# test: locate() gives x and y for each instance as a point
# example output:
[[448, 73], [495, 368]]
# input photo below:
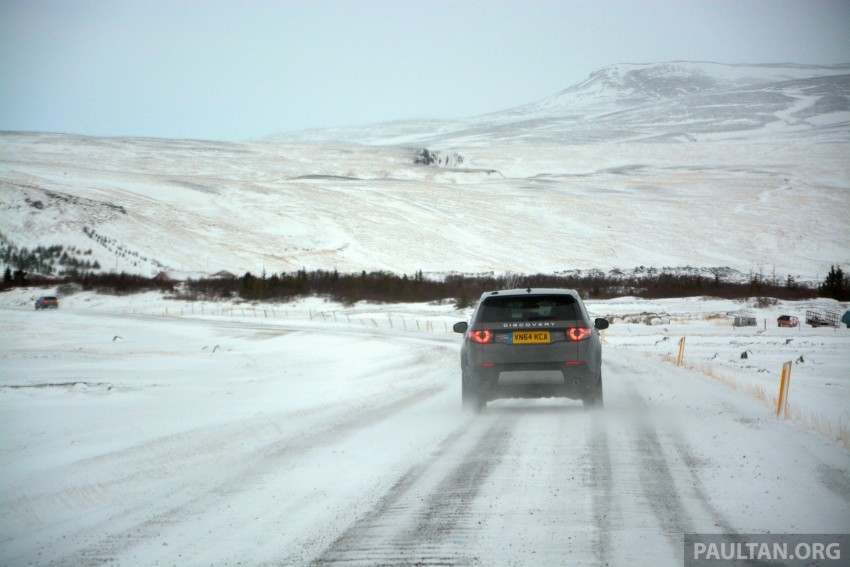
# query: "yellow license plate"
[[531, 337]]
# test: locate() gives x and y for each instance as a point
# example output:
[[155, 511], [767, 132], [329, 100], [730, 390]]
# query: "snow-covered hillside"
[[682, 101], [763, 186]]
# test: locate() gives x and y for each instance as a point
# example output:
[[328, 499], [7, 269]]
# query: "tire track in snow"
[[254, 467], [420, 520], [720, 521], [659, 485], [600, 479], [659, 481]]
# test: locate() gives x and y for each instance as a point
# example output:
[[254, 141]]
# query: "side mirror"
[[460, 327], [601, 324]]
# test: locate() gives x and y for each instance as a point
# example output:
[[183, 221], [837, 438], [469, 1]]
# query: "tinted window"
[[529, 308]]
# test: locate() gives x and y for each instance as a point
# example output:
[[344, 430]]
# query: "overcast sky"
[[238, 70]]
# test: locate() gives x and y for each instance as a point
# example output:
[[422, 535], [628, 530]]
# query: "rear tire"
[[594, 398], [471, 398]]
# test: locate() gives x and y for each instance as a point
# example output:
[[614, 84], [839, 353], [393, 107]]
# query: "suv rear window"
[[528, 308]]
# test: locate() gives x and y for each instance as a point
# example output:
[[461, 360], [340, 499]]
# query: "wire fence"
[[393, 321]]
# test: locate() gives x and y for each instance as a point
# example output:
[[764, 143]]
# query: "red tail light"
[[481, 337], [578, 333]]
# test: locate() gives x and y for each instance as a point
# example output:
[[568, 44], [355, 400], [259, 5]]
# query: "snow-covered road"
[[132, 440]]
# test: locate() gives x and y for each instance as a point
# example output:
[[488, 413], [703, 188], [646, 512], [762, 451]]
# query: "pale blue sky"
[[228, 70]]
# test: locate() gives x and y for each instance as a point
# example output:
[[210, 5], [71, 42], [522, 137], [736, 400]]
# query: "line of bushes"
[[465, 289], [387, 287], [108, 282]]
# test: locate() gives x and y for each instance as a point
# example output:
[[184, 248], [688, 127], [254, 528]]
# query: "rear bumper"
[[535, 380], [566, 369]]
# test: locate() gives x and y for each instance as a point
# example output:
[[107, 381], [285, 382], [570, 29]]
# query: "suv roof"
[[531, 291]]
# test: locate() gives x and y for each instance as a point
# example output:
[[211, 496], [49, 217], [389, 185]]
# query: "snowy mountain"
[[516, 191], [656, 102]]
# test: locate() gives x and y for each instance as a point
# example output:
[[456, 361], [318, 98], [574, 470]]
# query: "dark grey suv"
[[530, 343]]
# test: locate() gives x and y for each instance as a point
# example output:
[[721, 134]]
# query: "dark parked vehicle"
[[787, 321], [46, 302], [531, 343]]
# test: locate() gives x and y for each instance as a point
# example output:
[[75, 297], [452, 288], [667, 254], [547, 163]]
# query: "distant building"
[[178, 277], [224, 275]]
